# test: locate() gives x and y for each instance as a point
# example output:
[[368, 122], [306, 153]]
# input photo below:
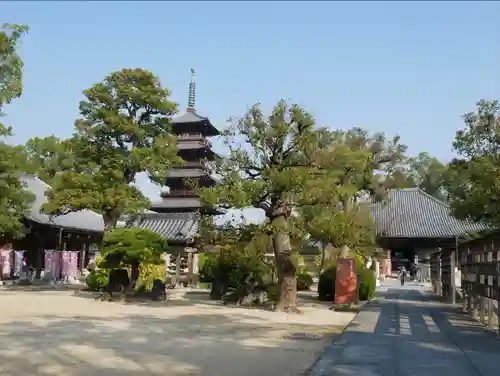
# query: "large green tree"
[[270, 161], [14, 200], [424, 172], [124, 130], [347, 181], [473, 179], [428, 174]]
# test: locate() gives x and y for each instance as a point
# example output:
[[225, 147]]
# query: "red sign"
[[346, 281]]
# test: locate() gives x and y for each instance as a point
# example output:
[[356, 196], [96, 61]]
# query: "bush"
[[326, 284], [367, 284], [207, 267], [272, 292], [148, 273], [233, 266], [304, 281], [97, 279]]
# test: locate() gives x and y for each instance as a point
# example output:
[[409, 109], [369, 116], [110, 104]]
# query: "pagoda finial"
[[192, 92]]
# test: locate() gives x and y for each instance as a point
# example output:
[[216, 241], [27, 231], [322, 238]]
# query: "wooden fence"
[[478, 262], [480, 267]]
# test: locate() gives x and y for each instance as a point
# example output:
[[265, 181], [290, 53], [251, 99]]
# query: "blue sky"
[[407, 68]]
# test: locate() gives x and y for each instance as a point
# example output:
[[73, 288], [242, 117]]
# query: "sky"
[[404, 68]]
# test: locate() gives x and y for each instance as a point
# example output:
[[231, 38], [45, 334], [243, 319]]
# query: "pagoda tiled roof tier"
[[182, 144], [177, 202], [412, 213], [182, 173], [190, 121], [183, 204]]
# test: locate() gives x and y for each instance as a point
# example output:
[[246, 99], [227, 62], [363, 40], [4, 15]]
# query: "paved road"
[[408, 333]]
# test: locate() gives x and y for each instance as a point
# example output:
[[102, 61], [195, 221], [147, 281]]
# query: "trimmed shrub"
[[97, 279], [304, 281], [326, 284], [147, 275]]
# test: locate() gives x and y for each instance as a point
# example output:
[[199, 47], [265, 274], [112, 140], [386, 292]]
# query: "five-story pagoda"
[[193, 132], [177, 215]]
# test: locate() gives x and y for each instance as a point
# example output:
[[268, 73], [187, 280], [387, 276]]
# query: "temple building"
[[177, 215], [412, 225], [54, 247]]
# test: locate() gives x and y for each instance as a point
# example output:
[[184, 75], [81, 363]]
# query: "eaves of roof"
[[175, 227], [412, 213]]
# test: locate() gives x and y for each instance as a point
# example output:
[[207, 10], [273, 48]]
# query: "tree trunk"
[[110, 218], [322, 260], [285, 267], [219, 288], [134, 273]]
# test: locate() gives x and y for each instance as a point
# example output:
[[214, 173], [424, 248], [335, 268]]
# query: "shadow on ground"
[[406, 332], [112, 339]]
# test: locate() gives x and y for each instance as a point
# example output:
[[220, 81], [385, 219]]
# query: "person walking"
[[402, 275]]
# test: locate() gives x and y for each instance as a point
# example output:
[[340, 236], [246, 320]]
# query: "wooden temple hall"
[[418, 228], [177, 215], [54, 248]]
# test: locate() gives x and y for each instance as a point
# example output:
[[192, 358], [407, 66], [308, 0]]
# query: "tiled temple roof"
[[175, 227], [84, 220], [412, 213]]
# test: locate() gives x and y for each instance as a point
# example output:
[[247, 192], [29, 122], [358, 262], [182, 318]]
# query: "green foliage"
[[15, 201], [304, 281], [473, 181], [333, 225], [45, 157], [272, 292], [234, 264], [97, 279], [349, 168], [428, 174], [124, 129], [236, 253], [274, 164], [367, 284], [424, 172], [148, 274], [131, 247], [11, 66]]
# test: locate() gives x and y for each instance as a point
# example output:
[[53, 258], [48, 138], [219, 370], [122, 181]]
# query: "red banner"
[[346, 281]]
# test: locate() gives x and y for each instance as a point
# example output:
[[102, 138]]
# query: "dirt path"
[[59, 333]]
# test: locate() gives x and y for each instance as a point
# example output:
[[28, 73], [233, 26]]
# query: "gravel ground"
[[62, 333]]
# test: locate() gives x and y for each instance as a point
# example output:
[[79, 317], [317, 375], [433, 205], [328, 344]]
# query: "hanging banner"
[[18, 263], [50, 267], [6, 260], [346, 281]]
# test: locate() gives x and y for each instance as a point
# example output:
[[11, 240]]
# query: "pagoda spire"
[[192, 93]]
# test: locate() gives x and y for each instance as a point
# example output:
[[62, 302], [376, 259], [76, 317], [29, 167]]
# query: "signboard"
[[346, 281]]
